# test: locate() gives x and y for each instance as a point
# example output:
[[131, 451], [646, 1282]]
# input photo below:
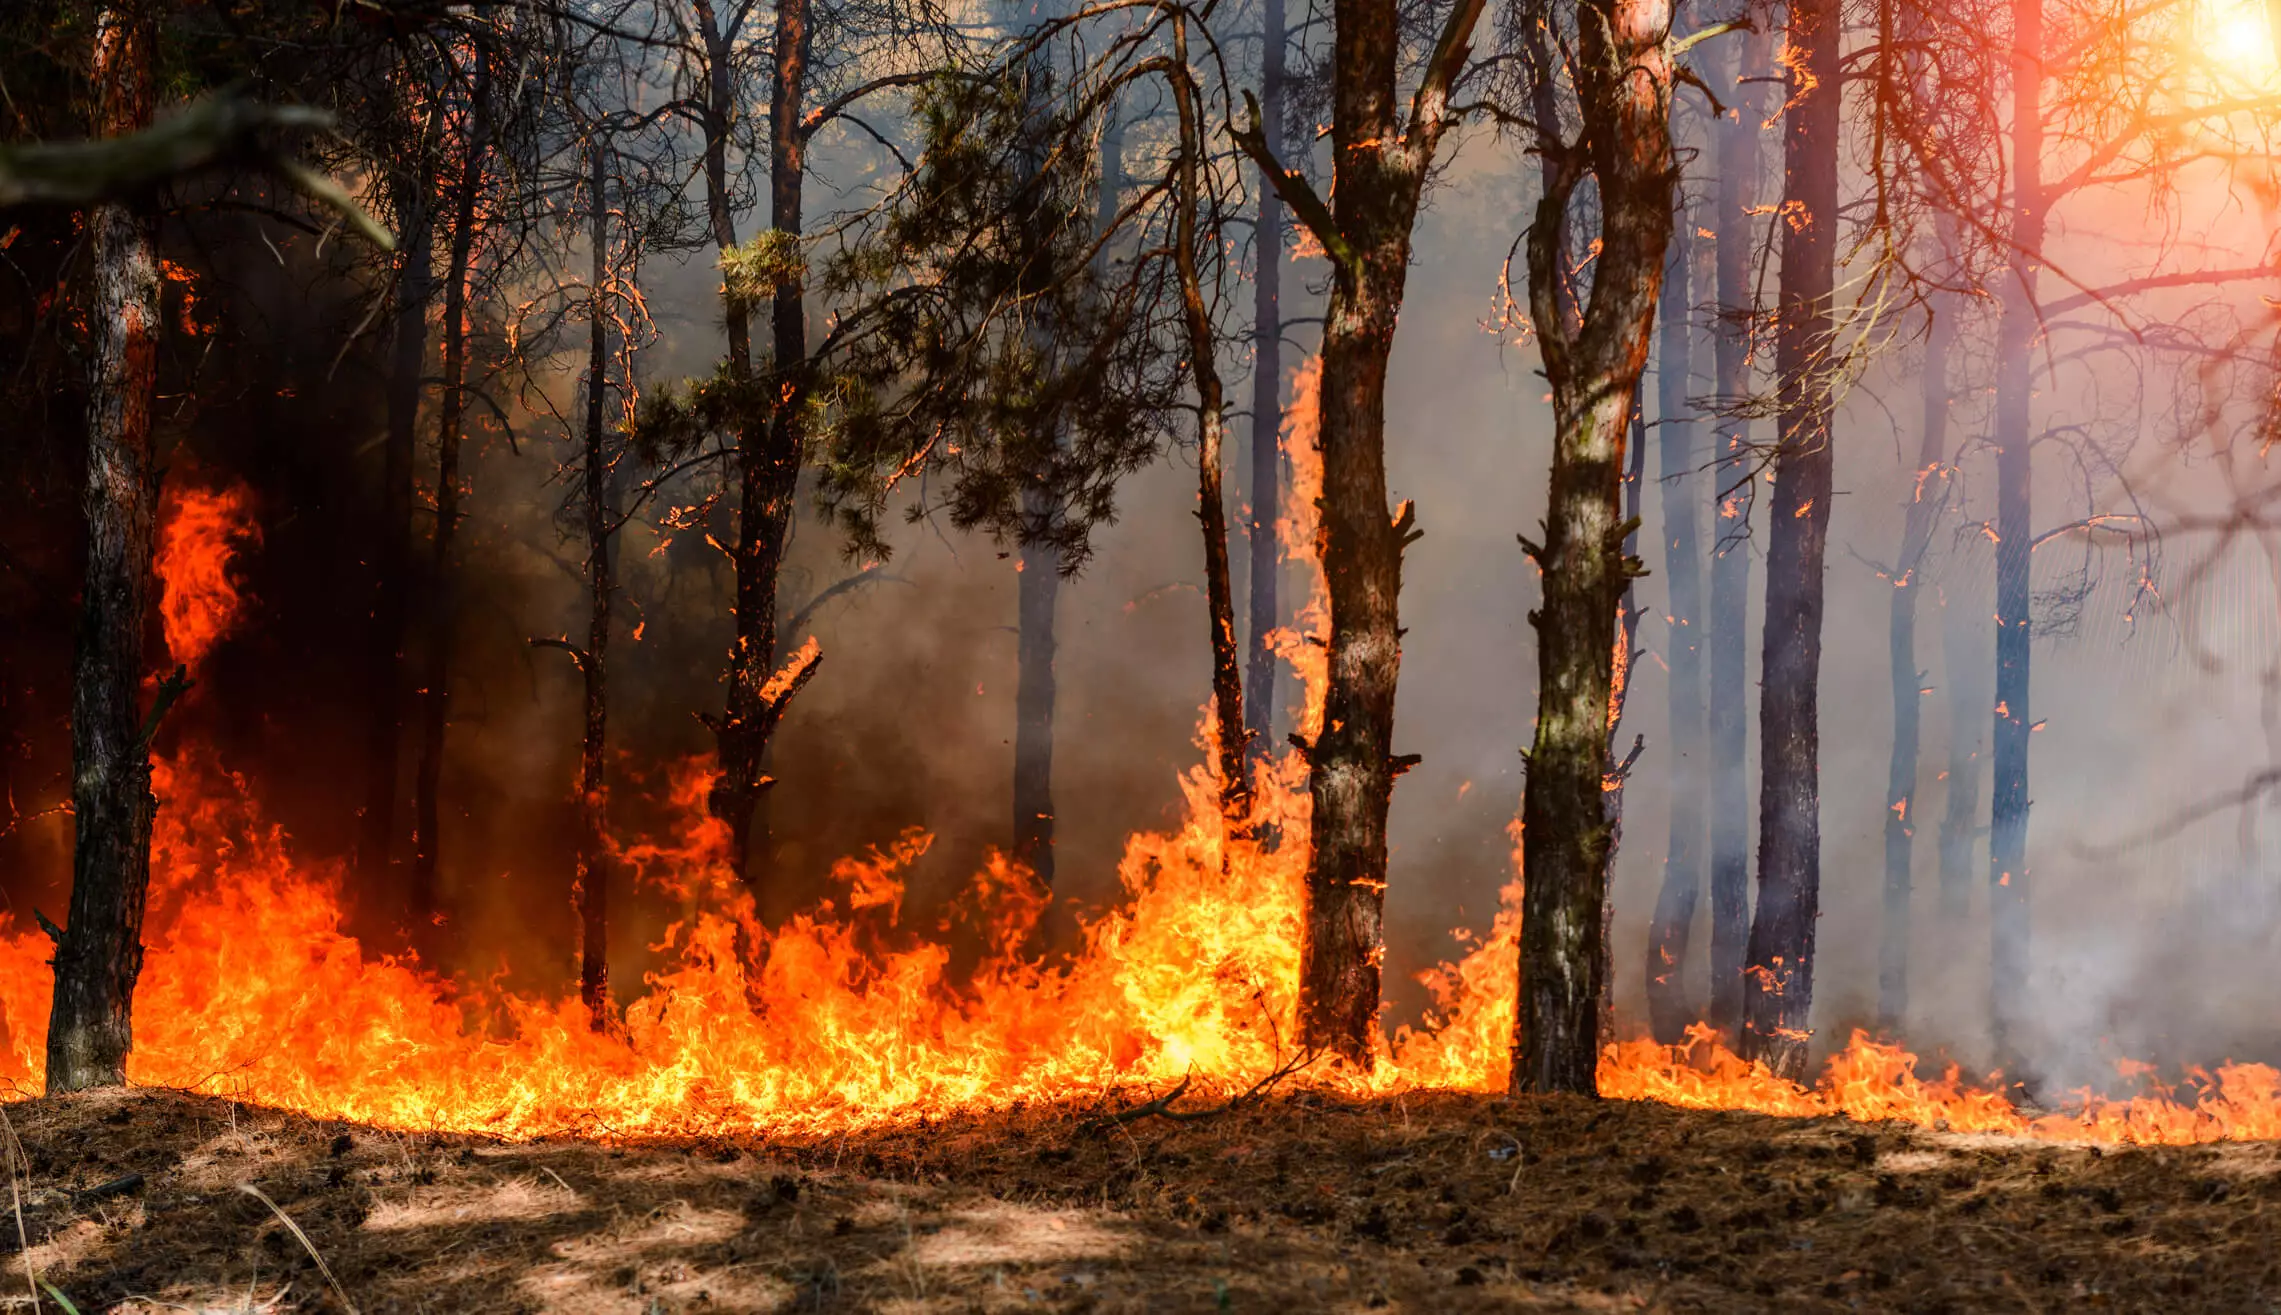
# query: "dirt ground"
[[135, 1201]]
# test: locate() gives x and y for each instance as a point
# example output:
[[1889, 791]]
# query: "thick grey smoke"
[[2158, 950]]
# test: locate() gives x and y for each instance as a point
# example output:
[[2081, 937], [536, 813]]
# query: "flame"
[[846, 1014], [1304, 644], [197, 544]]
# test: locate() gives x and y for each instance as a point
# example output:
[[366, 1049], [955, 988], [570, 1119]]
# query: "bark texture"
[[1594, 353], [592, 891], [771, 437], [1778, 983], [1234, 761], [1668, 1009], [100, 953], [1380, 159]]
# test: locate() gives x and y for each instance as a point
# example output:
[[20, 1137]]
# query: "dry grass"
[[1440, 1203]]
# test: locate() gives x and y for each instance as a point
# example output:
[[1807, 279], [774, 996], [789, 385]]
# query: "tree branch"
[[1293, 187], [203, 135]]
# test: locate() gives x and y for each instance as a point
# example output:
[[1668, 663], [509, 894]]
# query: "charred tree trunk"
[[592, 893], [1733, 500], [1380, 163], [2016, 331], [424, 911], [100, 953], [1964, 665], [392, 564], [771, 435], [1628, 613], [1593, 357], [1266, 402], [1668, 1010], [1211, 411], [1778, 990], [1901, 813]]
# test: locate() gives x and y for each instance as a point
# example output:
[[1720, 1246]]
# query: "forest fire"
[[875, 658], [252, 989]]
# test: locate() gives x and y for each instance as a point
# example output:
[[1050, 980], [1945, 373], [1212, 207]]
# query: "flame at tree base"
[[845, 1015], [251, 989]]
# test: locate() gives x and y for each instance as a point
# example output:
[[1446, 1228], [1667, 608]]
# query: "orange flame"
[[1304, 643], [843, 1015], [251, 988], [197, 545]]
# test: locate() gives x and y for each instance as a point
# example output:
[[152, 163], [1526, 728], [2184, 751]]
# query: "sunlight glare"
[[2238, 39]]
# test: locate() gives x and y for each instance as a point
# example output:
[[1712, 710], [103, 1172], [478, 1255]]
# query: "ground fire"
[[251, 989], [672, 657]]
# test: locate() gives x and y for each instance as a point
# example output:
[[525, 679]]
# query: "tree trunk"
[[1668, 1010], [1211, 411], [1626, 658], [1964, 666], [771, 439], [1037, 589], [1778, 985], [1379, 168], [1593, 358], [592, 892], [100, 953], [1266, 402], [1901, 814], [2016, 331], [424, 910], [392, 564], [1733, 500]]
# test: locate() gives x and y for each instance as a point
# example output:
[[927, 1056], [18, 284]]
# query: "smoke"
[[2158, 950]]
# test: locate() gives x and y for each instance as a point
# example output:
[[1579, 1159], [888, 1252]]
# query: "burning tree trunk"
[[1379, 170], [1593, 356], [1211, 423], [2016, 331], [1733, 498], [1779, 981], [1266, 401], [100, 953], [1669, 1012], [423, 910], [770, 430], [1901, 813], [392, 566]]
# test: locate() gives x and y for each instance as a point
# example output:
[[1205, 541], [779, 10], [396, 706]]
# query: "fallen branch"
[[1161, 1107]]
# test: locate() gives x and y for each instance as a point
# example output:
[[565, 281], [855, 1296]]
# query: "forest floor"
[[133, 1201]]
